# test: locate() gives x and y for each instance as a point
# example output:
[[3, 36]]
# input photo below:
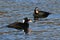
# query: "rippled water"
[[44, 29]]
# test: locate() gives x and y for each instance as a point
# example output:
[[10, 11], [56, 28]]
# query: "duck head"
[[26, 20], [36, 10]]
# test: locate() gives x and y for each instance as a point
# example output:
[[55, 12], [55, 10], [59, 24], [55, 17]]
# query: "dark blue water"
[[16, 10]]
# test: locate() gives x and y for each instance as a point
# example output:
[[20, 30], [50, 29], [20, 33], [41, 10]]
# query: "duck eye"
[[23, 21]]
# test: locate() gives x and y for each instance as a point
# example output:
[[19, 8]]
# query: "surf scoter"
[[40, 14], [20, 25]]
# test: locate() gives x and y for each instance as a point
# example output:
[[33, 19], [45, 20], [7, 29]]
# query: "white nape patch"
[[23, 21], [37, 11]]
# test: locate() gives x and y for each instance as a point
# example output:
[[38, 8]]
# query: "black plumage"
[[20, 25], [40, 14]]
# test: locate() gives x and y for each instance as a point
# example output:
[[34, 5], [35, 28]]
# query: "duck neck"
[[25, 22]]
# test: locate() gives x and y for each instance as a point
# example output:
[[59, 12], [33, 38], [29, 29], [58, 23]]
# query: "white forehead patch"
[[30, 20]]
